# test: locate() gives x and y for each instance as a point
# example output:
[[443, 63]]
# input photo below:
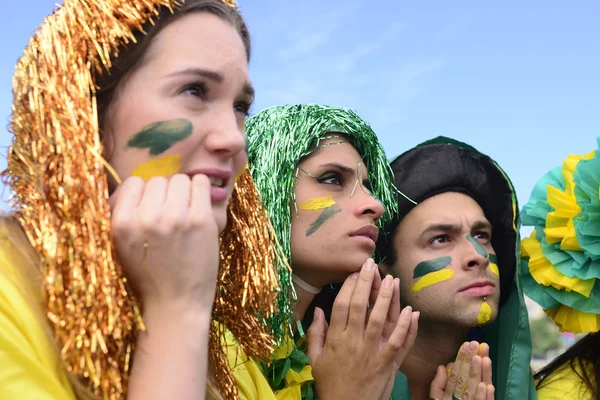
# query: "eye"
[[482, 236], [331, 178], [243, 107], [196, 89], [439, 239]]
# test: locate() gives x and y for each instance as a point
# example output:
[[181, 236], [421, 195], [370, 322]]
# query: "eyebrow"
[[214, 76], [481, 225], [454, 228]]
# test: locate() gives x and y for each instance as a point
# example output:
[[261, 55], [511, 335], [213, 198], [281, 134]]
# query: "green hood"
[[441, 165]]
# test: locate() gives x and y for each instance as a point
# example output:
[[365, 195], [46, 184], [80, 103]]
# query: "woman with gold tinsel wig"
[[107, 289], [326, 184], [560, 269]]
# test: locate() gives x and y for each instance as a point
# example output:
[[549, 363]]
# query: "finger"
[[394, 310], [315, 336], [341, 305], [128, 194], [487, 370], [124, 218], [455, 369], [358, 303], [398, 336], [375, 289], [373, 296], [484, 350], [465, 368], [378, 316], [490, 390], [200, 204], [436, 389], [474, 378], [178, 194], [481, 391], [155, 194]]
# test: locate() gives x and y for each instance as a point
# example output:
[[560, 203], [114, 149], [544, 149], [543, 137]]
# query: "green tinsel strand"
[[278, 138]]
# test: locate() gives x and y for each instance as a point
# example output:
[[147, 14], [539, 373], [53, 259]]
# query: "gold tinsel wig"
[[60, 197]]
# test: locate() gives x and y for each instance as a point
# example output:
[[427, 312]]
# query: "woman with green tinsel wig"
[[560, 270], [326, 184]]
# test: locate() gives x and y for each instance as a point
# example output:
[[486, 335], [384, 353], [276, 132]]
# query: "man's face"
[[446, 263]]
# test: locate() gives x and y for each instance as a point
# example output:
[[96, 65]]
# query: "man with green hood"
[[454, 246]]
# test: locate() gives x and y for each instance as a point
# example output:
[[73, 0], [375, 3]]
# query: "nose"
[[475, 255], [368, 205], [226, 136]]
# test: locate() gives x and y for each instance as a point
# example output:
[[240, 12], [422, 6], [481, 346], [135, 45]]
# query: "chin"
[[220, 219]]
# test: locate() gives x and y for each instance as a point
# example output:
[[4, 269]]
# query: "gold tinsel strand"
[[60, 196], [247, 286]]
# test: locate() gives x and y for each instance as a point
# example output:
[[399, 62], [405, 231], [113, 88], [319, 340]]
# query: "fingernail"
[[418, 313], [317, 310], [355, 275], [387, 282], [370, 264], [473, 346]]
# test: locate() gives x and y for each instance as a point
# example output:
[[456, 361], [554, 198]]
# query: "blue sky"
[[518, 80]]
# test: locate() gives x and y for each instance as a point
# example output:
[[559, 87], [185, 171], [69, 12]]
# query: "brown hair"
[[108, 83], [134, 54]]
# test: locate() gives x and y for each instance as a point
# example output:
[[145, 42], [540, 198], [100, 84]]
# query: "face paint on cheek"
[[317, 203], [164, 166], [429, 266], [160, 136], [478, 247], [432, 272], [485, 314], [325, 215], [494, 265]]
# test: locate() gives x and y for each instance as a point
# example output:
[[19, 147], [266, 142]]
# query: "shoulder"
[[247, 372], [30, 364], [565, 383]]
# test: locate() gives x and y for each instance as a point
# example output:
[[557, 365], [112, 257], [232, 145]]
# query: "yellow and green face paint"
[[158, 138], [318, 203], [161, 136], [431, 272], [482, 252], [329, 207], [494, 265]]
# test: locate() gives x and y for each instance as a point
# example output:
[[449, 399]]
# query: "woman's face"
[[183, 109], [333, 230]]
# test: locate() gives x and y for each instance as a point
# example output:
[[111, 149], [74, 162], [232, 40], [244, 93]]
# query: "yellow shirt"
[[29, 364], [564, 384], [251, 381]]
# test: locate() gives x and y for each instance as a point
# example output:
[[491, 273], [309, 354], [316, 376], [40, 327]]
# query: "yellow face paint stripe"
[[318, 203], [485, 313], [432, 279], [494, 269], [164, 166]]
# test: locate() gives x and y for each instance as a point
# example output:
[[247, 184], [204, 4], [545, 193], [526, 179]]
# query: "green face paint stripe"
[[325, 215], [494, 258], [160, 136], [478, 247], [429, 266]]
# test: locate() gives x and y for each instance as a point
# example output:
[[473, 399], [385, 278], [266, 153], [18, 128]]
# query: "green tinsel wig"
[[278, 139]]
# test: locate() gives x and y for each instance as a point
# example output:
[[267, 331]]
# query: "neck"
[[304, 298], [436, 344]]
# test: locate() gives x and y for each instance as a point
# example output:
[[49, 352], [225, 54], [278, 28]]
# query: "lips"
[[479, 288], [368, 231], [219, 181], [218, 177]]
